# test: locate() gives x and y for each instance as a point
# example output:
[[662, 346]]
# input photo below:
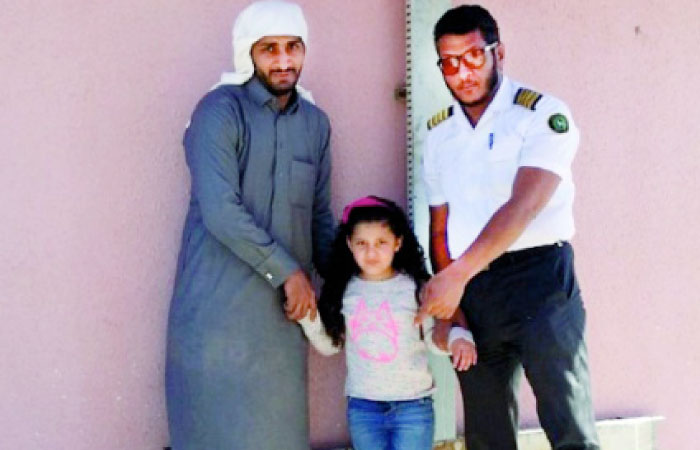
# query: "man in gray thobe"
[[259, 218]]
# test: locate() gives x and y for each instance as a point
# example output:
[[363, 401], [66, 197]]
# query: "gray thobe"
[[259, 210]]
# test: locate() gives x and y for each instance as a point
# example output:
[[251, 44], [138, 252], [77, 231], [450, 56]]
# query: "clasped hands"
[[441, 295], [300, 296]]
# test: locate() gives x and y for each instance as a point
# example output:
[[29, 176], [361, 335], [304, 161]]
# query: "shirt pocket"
[[302, 179], [502, 164], [461, 176]]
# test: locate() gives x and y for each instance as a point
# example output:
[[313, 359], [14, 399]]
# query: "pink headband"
[[360, 203]]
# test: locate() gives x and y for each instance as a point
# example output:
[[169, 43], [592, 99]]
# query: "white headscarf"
[[260, 19]]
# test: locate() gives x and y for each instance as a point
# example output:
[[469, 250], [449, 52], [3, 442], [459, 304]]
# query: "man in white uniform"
[[497, 167]]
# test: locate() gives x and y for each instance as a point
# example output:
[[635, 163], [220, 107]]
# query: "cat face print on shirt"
[[374, 332]]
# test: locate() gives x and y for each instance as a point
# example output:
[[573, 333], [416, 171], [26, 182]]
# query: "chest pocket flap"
[[302, 179], [505, 148], [503, 161]]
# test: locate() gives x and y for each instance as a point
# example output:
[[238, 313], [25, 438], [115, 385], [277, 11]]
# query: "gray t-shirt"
[[386, 358]]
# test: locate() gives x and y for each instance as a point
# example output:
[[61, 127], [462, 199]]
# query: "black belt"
[[517, 256]]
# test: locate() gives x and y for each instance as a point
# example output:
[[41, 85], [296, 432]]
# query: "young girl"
[[368, 305]]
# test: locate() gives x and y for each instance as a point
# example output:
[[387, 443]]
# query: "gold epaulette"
[[527, 98], [440, 117]]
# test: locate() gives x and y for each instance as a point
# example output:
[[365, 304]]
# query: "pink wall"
[[94, 187]]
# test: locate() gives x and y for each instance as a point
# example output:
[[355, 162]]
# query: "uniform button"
[[268, 276]]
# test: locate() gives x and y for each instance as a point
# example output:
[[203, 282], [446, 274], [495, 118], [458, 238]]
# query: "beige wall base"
[[637, 433]]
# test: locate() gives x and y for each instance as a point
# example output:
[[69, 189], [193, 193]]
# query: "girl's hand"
[[463, 354]]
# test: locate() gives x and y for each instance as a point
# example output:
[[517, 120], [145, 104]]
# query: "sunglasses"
[[474, 58]]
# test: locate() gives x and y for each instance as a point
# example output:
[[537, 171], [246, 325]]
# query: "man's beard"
[[491, 83], [277, 90]]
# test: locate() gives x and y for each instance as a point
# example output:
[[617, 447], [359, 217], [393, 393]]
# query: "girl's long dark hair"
[[409, 259]]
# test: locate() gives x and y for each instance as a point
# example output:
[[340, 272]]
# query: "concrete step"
[[636, 433]]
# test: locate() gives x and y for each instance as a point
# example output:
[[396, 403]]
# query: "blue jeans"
[[396, 425]]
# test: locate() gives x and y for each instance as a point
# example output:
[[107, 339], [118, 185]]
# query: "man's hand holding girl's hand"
[[441, 294], [300, 296]]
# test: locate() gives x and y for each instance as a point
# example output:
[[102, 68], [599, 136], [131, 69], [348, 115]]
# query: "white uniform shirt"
[[472, 169]]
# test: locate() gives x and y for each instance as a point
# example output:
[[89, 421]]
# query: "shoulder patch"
[[558, 123], [527, 98], [440, 117]]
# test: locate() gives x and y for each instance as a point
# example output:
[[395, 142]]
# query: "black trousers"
[[526, 312]]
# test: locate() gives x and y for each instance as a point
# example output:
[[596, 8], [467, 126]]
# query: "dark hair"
[[465, 19], [409, 259]]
